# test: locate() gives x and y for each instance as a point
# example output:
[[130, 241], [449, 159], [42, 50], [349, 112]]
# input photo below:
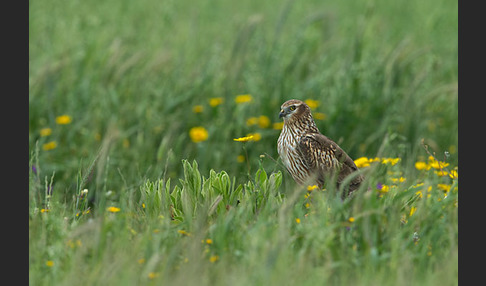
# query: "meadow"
[[135, 177]]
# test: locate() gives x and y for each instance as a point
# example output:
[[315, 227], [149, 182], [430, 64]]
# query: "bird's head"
[[293, 109]]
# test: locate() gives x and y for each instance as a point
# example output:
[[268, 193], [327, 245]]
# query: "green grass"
[[129, 74]]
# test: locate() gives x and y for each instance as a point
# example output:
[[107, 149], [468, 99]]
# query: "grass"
[[128, 76]]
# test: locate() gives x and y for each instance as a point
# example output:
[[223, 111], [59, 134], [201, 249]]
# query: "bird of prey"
[[309, 156]]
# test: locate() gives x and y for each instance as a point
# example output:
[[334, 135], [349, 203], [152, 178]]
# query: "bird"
[[308, 155]]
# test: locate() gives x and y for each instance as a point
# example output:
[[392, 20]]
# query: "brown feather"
[[309, 156]]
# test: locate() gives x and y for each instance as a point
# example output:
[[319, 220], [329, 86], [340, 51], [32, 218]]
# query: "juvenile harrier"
[[309, 156]]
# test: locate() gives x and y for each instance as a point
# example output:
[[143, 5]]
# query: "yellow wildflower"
[[412, 211], [153, 275], [263, 121], [311, 188], [436, 164], [209, 241], [213, 258], [312, 103], [63, 119], [240, 159], [197, 109], [44, 210], [441, 173], [444, 187], [391, 161], [49, 146], [243, 98], [453, 174], [362, 162], [141, 261], [244, 139], [255, 136], [351, 219], [278, 125], [297, 220], [384, 189], [45, 132], [398, 180], [419, 193], [215, 101], [183, 232], [319, 116], [251, 121], [421, 165], [49, 263], [113, 209], [198, 134]]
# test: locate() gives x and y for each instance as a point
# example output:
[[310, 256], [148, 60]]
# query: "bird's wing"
[[323, 156]]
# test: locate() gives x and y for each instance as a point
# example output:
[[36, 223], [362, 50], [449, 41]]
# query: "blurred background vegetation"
[[134, 77]]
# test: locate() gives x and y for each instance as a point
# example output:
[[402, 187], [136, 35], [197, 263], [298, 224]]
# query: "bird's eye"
[[292, 108]]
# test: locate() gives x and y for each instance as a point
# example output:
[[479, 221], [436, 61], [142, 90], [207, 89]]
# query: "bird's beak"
[[282, 113]]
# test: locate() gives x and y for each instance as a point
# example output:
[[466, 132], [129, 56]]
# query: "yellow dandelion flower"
[[243, 98], [215, 101], [419, 193], [297, 220], [351, 219], [312, 103], [240, 159], [63, 119], [209, 241], [197, 109], [141, 261], [49, 263], [44, 210], [213, 258], [278, 125], [49, 146], [198, 134], [263, 121], [113, 209], [362, 162], [153, 275], [45, 132], [319, 116], [252, 121]]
